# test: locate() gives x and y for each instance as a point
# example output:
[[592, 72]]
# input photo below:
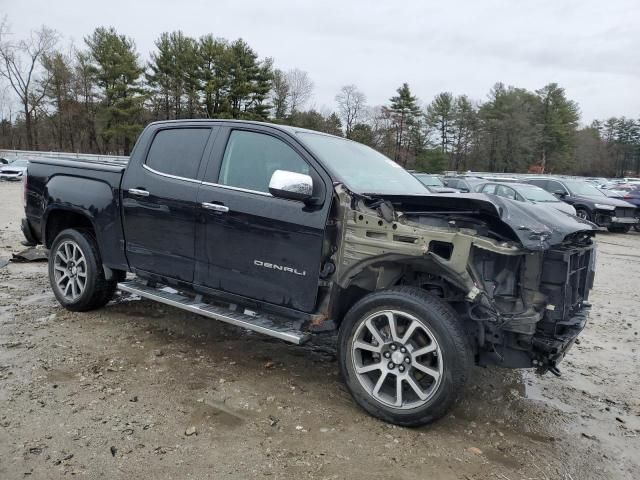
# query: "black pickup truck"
[[292, 233]]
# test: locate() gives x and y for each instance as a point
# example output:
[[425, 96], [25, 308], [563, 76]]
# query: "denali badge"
[[282, 268]]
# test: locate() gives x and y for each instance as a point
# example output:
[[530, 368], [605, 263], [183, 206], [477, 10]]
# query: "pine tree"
[[440, 116], [214, 61], [558, 117], [404, 109], [175, 76]]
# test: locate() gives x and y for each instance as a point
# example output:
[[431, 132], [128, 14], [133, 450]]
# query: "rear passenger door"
[[251, 243], [159, 201]]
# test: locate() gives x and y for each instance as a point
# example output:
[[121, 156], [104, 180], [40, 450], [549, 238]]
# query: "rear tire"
[[409, 373], [76, 274], [619, 228]]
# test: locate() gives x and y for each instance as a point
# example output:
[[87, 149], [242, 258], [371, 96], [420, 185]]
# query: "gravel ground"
[[142, 390]]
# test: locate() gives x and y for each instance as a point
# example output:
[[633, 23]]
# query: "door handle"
[[138, 192], [216, 207]]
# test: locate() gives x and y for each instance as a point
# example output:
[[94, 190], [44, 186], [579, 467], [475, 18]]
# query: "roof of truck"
[[279, 126]]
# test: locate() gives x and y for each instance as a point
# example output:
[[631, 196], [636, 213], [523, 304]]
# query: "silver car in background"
[[523, 192], [14, 170]]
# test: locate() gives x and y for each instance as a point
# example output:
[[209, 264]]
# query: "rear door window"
[[178, 151]]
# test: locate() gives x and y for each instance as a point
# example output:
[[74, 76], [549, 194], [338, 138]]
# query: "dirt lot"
[[112, 393]]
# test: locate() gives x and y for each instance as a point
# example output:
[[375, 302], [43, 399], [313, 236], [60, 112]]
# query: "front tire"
[[404, 355], [76, 274], [583, 213]]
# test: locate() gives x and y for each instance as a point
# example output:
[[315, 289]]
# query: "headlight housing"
[[601, 206]]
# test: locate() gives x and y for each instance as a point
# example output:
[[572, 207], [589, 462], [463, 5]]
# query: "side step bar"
[[259, 324]]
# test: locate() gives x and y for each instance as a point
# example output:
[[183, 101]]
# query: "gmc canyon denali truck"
[[290, 232]]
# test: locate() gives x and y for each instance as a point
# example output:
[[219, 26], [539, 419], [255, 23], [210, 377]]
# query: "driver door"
[[251, 243]]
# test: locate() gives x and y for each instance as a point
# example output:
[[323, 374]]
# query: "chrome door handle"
[[138, 192], [215, 207]]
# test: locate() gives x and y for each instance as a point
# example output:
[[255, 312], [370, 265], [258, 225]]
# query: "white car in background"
[[14, 170]]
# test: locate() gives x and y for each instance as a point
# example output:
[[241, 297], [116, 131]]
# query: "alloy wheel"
[[397, 359], [70, 270]]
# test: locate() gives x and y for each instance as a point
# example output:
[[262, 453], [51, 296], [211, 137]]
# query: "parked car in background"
[[433, 183], [590, 203], [14, 170], [633, 197], [524, 192], [500, 179], [464, 184]]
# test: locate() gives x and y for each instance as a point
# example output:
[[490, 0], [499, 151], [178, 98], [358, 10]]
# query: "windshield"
[[19, 163], [429, 180], [361, 168], [536, 194], [583, 188]]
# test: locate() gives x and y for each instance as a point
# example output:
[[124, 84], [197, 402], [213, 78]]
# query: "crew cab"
[[295, 233]]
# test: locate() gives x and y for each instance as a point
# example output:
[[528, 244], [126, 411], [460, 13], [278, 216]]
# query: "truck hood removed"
[[534, 226]]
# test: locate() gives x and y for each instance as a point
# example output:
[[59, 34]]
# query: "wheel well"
[[394, 275], [59, 220]]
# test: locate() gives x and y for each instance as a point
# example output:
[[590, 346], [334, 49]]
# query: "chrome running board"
[[261, 324]]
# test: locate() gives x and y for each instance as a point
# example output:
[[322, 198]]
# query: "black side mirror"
[[560, 193]]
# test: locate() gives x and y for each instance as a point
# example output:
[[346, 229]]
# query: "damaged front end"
[[519, 275]]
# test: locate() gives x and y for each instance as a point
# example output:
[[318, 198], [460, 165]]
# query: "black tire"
[[445, 326], [619, 228], [636, 227], [97, 290], [583, 213]]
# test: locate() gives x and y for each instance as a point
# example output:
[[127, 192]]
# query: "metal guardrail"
[[13, 154]]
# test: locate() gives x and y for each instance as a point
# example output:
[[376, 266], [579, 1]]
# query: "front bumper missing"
[[548, 351]]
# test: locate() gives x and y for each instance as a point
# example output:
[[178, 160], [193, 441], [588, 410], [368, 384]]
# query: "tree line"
[[97, 98]]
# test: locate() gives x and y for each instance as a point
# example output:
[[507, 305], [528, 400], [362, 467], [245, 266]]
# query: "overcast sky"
[[590, 47]]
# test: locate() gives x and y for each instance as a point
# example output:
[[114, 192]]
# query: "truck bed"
[[70, 186]]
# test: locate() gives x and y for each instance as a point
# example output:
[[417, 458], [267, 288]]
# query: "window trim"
[[168, 175], [203, 155], [238, 189]]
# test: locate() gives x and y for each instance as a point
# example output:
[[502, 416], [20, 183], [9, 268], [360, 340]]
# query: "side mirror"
[[464, 190], [560, 193], [291, 185]]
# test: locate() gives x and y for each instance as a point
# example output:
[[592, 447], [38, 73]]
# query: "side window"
[[506, 192], [251, 158], [539, 183], [178, 151], [451, 183], [489, 188], [555, 187]]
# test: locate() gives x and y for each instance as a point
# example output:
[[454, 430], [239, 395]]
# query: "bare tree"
[[351, 105], [20, 64], [300, 89]]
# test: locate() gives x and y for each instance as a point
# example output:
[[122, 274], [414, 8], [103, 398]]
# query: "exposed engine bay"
[[520, 281]]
